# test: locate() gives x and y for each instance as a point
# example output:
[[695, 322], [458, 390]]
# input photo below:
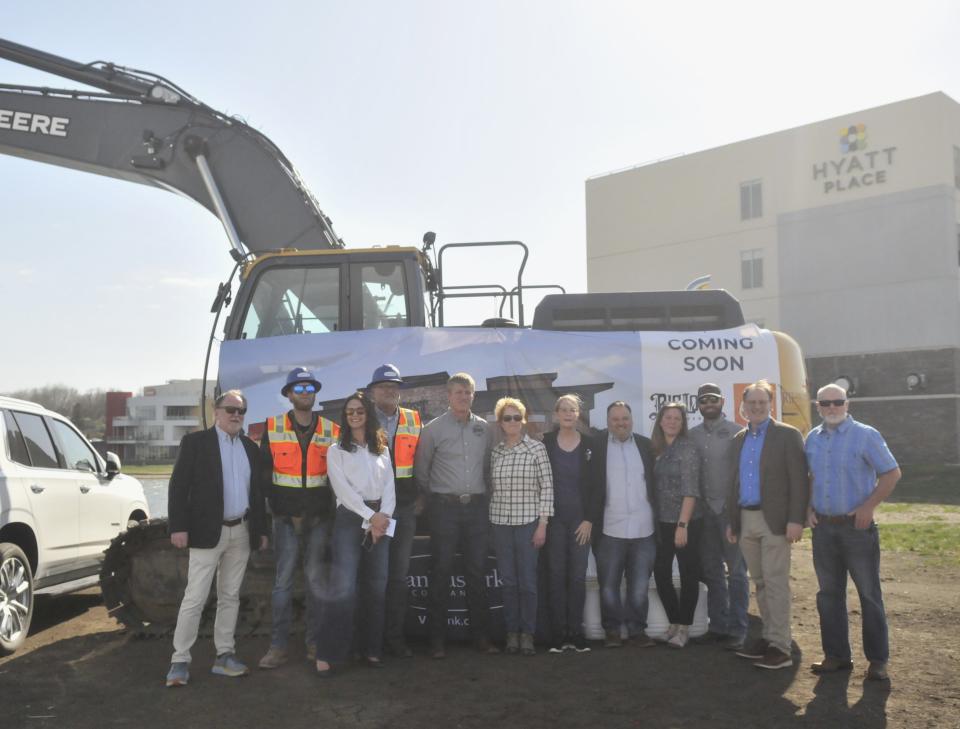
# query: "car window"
[[39, 445], [76, 452], [16, 447]]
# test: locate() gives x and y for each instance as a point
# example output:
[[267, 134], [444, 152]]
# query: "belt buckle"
[[465, 499]]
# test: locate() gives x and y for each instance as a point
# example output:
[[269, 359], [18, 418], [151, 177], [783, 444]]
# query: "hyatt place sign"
[[858, 167]]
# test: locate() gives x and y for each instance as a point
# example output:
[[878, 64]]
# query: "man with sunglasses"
[[402, 427], [216, 511], [728, 590], [293, 475], [852, 471]]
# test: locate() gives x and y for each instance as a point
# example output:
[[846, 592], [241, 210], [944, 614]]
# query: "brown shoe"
[[831, 665], [273, 658], [642, 640], [437, 650], [877, 671], [612, 639], [754, 650], [485, 646], [773, 659]]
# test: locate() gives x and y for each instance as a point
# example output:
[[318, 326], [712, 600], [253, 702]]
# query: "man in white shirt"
[[624, 540]]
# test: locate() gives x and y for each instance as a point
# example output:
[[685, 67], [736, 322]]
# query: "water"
[[155, 489]]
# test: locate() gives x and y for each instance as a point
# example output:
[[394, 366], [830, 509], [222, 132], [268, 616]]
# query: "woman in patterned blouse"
[[678, 511], [521, 502]]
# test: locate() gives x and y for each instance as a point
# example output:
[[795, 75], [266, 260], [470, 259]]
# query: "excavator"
[[304, 298]]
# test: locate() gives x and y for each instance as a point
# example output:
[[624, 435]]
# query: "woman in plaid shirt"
[[521, 502]]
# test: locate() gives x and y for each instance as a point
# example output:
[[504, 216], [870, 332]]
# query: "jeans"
[[466, 526], [356, 572], [567, 567], [287, 547], [837, 550], [517, 565], [679, 612], [728, 591], [618, 557], [398, 593]]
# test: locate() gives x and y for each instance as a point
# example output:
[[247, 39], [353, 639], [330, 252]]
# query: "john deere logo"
[[853, 138]]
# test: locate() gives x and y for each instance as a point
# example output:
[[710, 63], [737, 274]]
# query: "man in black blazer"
[[624, 542], [215, 510]]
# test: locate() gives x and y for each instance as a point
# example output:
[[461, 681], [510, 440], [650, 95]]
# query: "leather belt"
[[842, 519], [236, 522], [375, 505], [457, 499], [756, 507]]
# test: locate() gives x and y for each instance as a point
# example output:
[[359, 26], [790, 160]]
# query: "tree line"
[[87, 410]]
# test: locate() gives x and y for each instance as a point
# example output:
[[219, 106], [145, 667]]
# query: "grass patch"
[[150, 470], [928, 485], [940, 543]]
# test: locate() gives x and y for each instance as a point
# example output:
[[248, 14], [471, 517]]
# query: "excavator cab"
[[323, 291]]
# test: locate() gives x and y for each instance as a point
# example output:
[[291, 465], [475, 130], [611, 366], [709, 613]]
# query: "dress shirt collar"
[[760, 429]]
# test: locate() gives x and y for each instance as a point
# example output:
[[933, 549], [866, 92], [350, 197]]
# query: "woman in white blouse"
[[362, 478]]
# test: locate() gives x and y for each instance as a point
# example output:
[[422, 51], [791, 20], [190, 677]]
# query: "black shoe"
[[755, 650], [558, 646], [580, 644], [399, 648]]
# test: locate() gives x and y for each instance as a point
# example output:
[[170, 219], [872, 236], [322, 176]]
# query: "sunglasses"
[[705, 399], [300, 389], [233, 410], [511, 418], [828, 403], [350, 412]]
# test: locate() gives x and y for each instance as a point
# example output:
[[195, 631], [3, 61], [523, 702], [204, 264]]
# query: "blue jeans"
[[517, 565], [355, 571], [398, 593], [567, 565], [287, 546], [618, 557], [724, 572], [466, 526], [837, 550]]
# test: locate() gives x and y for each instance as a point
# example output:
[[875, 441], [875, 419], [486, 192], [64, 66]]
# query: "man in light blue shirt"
[[852, 471]]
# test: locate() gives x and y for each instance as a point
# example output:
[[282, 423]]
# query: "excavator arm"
[[145, 129]]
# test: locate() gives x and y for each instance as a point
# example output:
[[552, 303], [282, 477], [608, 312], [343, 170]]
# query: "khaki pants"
[[768, 561], [228, 560]]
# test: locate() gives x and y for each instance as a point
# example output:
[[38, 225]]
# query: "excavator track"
[[143, 578]]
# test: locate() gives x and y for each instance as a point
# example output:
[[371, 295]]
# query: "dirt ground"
[[79, 670]]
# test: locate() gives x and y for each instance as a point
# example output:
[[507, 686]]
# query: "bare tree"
[[87, 410]]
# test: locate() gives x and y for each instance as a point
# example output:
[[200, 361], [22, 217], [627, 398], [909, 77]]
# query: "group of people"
[[344, 497]]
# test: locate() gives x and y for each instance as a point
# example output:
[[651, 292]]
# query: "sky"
[[480, 121]]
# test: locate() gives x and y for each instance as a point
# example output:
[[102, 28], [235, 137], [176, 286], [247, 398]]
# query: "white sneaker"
[[668, 636], [680, 638]]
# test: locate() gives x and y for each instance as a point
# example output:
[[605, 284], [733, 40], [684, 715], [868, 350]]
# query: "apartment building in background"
[[843, 233]]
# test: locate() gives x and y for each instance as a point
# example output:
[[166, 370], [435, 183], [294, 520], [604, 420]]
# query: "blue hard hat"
[[386, 373], [299, 374]]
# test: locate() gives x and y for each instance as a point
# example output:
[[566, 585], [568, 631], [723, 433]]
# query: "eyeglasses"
[[511, 418], [350, 412], [828, 403], [233, 410], [706, 399], [300, 389]]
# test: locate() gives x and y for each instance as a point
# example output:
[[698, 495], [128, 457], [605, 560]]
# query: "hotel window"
[[751, 269], [751, 199], [956, 167]]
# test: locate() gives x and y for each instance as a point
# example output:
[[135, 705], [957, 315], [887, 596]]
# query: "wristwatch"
[[681, 525]]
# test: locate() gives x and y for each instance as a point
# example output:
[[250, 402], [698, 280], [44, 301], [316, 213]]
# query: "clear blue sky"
[[480, 121]]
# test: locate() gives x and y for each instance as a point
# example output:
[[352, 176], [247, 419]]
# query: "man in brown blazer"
[[767, 507]]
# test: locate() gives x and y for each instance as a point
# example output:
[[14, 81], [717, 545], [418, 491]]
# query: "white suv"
[[60, 505]]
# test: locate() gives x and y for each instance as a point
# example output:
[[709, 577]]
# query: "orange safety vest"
[[405, 442], [288, 458]]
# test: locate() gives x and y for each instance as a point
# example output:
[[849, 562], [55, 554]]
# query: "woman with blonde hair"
[[569, 531], [521, 502]]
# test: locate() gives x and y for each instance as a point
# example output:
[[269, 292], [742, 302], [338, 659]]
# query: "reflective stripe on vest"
[[405, 442], [288, 457]]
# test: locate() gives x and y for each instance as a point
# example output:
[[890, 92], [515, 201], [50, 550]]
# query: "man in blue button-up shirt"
[[852, 472]]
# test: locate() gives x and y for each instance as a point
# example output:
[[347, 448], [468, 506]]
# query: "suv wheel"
[[16, 597]]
